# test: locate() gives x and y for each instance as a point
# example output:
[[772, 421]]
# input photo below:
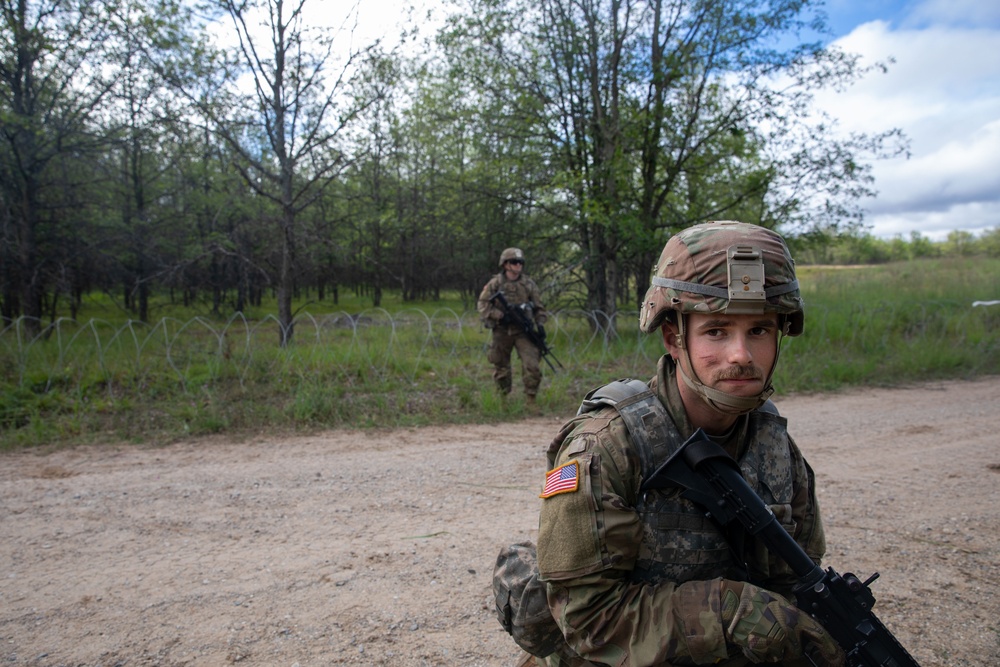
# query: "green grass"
[[894, 324], [351, 365]]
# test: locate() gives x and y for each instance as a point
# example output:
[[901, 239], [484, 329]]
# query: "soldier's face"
[[731, 353], [513, 267]]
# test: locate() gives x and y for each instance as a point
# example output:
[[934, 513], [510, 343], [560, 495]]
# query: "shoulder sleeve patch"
[[564, 479]]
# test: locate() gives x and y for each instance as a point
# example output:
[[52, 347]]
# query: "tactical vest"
[[681, 542], [515, 291]]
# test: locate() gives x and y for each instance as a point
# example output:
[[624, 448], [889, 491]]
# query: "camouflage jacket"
[[522, 290], [634, 581]]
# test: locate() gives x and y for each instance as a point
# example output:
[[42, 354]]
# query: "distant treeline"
[[868, 249]]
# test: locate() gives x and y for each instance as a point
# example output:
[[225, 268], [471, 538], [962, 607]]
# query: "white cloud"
[[937, 72], [944, 93], [388, 19], [974, 217], [966, 169]]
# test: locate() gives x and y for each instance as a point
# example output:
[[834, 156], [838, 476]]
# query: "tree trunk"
[[286, 280]]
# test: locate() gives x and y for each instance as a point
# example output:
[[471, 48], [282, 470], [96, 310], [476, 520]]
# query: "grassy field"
[[892, 324], [186, 374]]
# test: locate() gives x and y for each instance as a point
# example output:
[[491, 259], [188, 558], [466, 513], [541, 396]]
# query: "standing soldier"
[[521, 292]]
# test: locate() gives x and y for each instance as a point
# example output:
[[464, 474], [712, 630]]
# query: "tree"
[[144, 121], [989, 241], [655, 115], [372, 196], [286, 128], [960, 243], [52, 88]]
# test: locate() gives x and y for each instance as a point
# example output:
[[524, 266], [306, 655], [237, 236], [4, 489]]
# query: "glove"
[[768, 628], [497, 315], [541, 332]]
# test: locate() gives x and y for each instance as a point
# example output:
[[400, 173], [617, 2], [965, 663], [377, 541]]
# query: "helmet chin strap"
[[720, 400]]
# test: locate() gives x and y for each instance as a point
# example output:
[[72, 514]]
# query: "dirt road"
[[376, 547]]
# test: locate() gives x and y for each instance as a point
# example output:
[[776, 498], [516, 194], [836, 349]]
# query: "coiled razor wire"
[[403, 345]]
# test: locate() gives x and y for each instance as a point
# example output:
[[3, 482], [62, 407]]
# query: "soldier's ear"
[[671, 339]]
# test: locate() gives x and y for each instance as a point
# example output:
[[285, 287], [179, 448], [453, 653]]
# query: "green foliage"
[[863, 248], [554, 126], [884, 325]]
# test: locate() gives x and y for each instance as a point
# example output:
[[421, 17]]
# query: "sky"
[[943, 92]]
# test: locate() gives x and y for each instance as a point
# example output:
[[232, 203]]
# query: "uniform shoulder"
[[492, 285], [600, 431]]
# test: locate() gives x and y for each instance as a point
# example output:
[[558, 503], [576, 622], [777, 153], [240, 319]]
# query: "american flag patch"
[[563, 479]]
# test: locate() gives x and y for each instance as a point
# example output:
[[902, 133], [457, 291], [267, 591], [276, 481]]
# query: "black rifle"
[[527, 324], [841, 603]]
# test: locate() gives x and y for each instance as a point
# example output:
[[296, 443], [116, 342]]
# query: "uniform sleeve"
[[587, 546], [489, 313]]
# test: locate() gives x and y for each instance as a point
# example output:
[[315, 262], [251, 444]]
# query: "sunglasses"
[[515, 261]]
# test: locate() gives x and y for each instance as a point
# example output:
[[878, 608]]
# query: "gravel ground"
[[376, 547]]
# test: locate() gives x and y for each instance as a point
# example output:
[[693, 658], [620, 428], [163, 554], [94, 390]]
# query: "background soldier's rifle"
[[520, 316], [841, 603]]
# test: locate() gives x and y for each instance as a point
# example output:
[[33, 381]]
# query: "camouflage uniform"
[[634, 580], [646, 579], [506, 337]]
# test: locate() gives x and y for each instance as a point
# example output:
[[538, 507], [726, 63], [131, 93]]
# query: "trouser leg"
[[530, 364], [499, 353]]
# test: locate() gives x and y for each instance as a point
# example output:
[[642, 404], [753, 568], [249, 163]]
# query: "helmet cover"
[[511, 253], [724, 267]]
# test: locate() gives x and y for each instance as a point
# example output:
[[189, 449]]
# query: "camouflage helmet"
[[511, 253], [724, 267]]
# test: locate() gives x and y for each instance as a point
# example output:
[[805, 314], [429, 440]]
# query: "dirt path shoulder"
[[376, 547]]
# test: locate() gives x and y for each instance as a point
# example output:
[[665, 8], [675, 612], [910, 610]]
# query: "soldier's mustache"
[[740, 373]]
